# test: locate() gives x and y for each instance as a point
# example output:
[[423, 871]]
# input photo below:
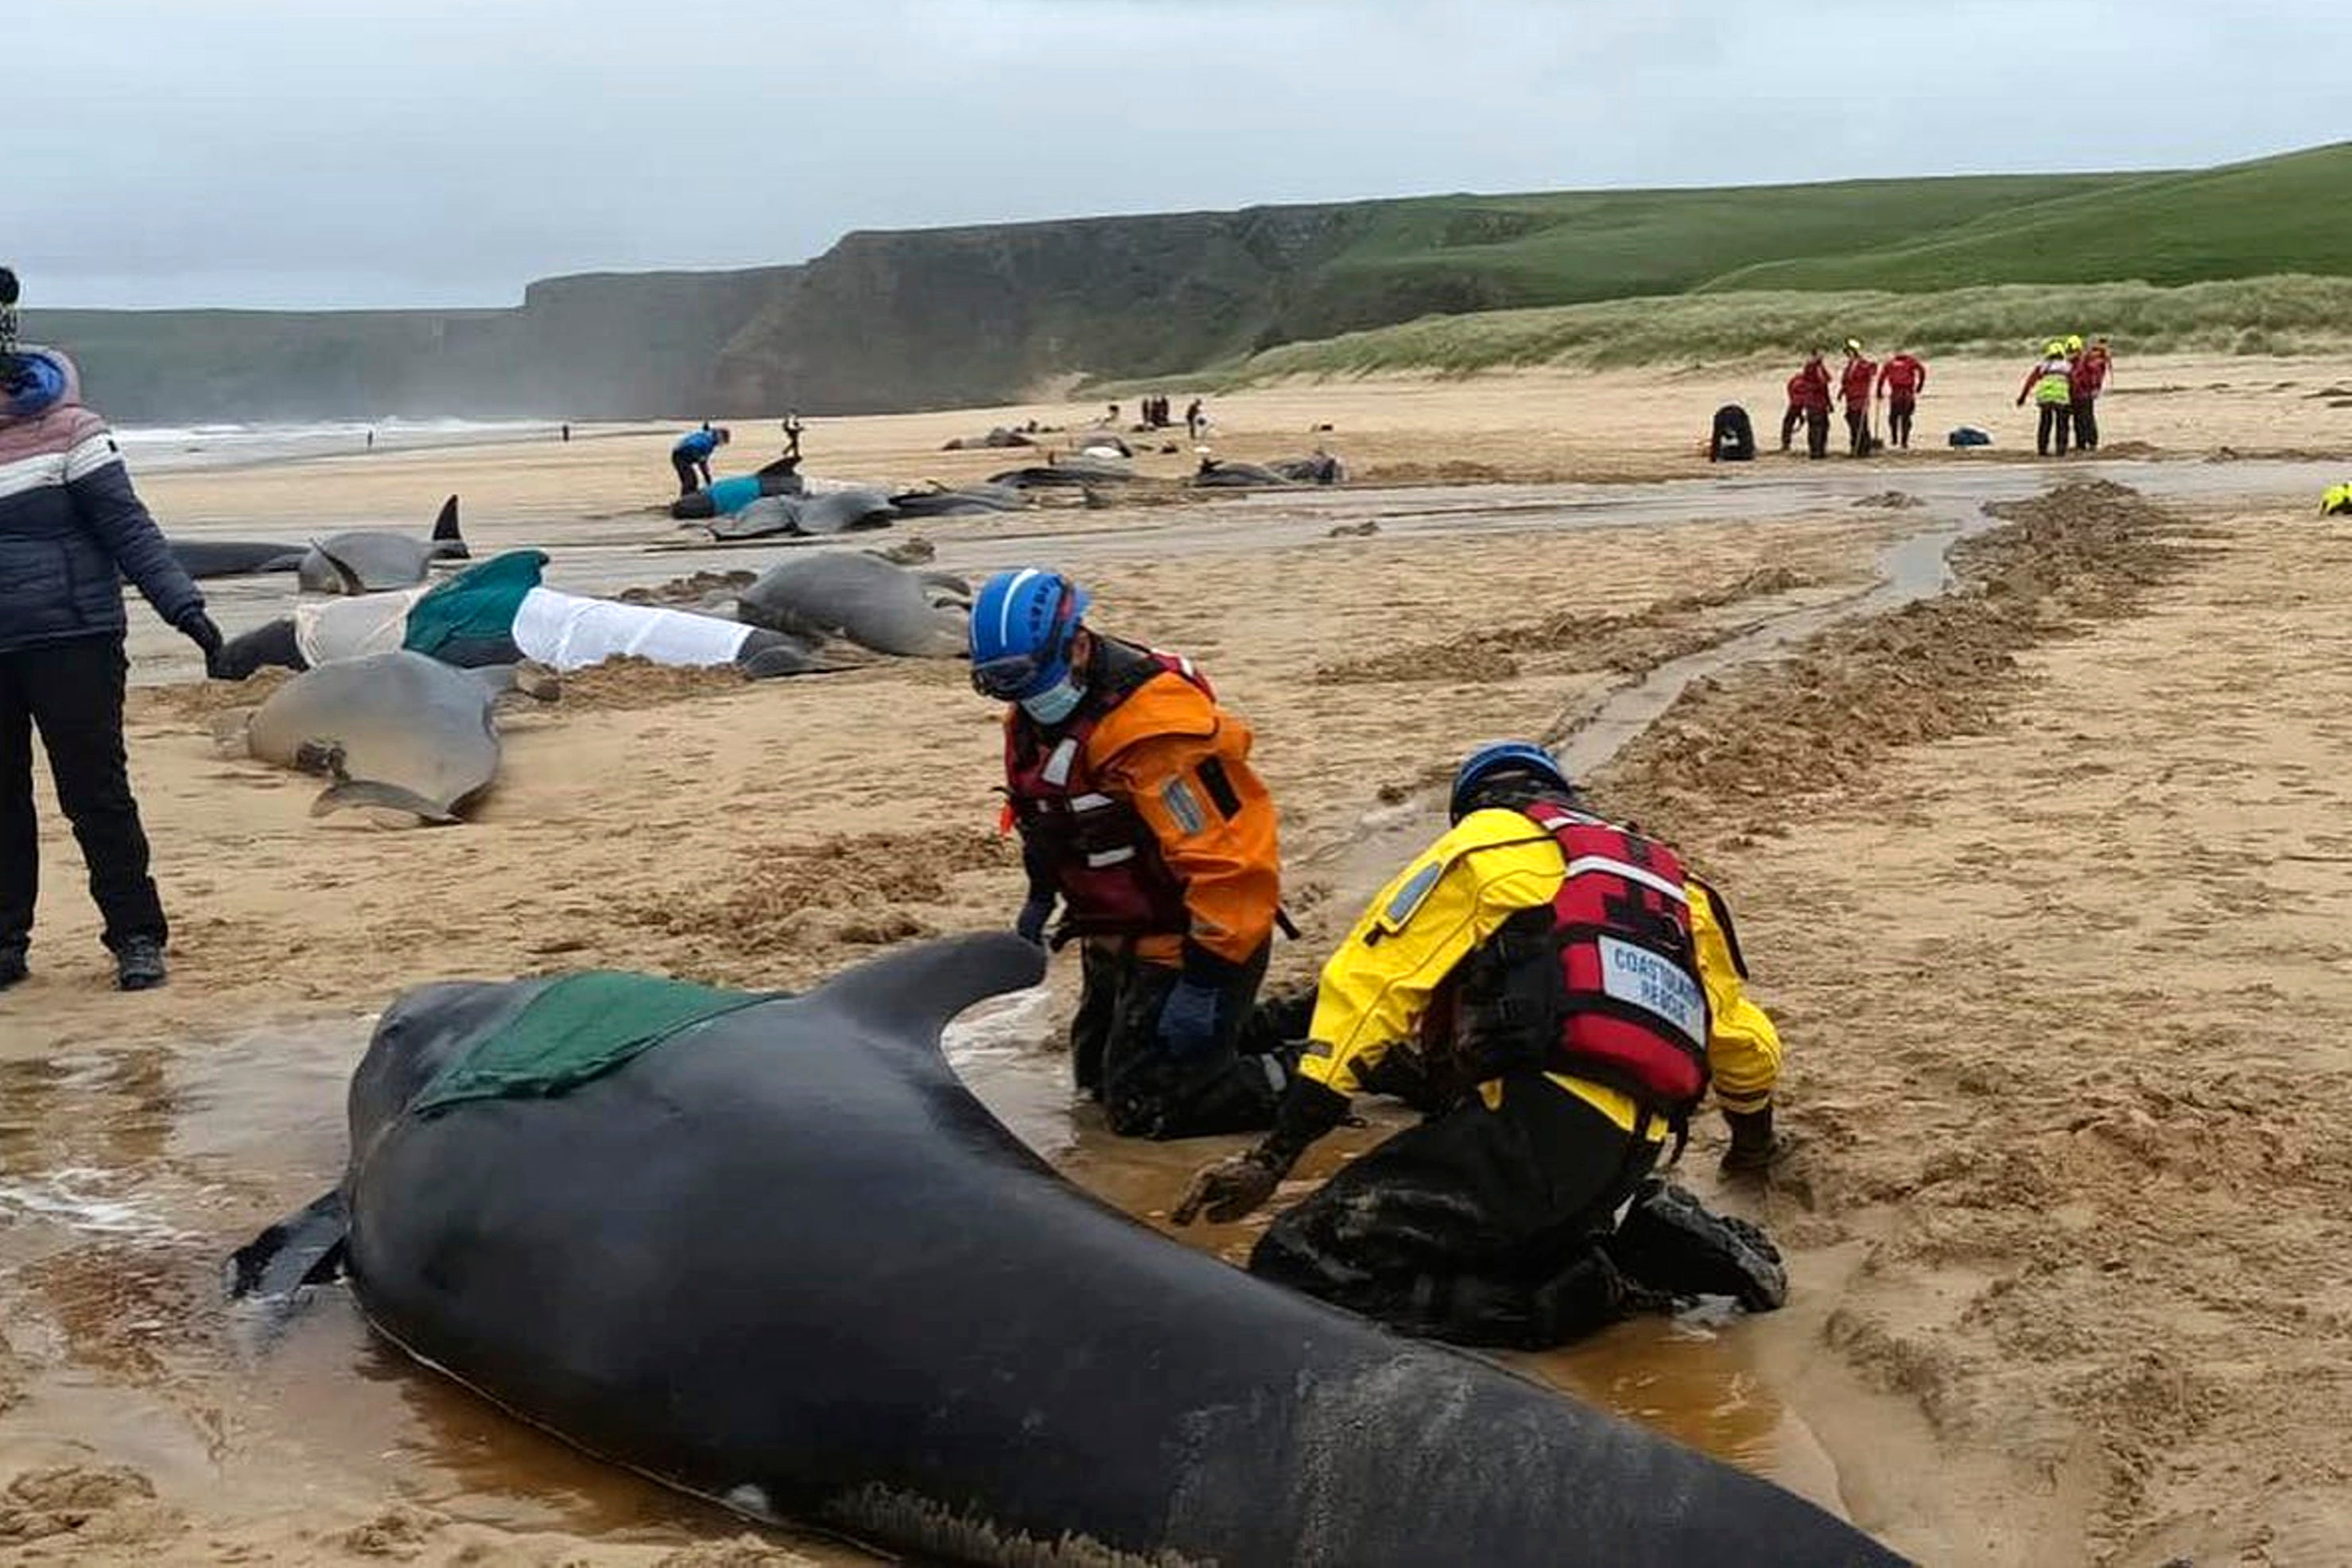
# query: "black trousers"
[[73, 691], [1790, 419], [1817, 432], [1147, 1093], [691, 475], [1898, 424], [1481, 1227], [2057, 422], [1857, 431], [2087, 424]]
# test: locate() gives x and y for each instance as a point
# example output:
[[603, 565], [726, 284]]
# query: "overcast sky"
[[339, 153]]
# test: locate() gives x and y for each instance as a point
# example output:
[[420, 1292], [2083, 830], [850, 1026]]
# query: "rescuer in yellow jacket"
[[1140, 816], [1559, 995], [2051, 385]]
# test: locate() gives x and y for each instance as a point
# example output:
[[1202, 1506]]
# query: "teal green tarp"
[[581, 1027], [478, 605]]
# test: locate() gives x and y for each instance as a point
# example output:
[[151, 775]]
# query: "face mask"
[[1055, 703]]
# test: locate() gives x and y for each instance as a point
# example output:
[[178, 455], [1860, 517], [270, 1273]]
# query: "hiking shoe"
[[139, 964], [12, 965], [1671, 1242]]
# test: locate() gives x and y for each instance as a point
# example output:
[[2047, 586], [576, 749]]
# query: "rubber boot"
[[1670, 1242], [11, 964], [139, 964]]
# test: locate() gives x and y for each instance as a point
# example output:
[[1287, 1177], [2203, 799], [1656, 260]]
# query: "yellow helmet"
[[2054, 347], [2073, 343]]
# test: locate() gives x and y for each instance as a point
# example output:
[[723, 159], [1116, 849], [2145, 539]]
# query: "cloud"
[[430, 152]]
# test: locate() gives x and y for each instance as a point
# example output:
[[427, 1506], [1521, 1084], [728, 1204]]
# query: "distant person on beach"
[[1809, 391], [1794, 413], [1109, 420], [1901, 381], [567, 433], [691, 457], [71, 529], [2051, 385], [1193, 419], [1733, 439], [2089, 379], [792, 428], [371, 441], [1858, 384]]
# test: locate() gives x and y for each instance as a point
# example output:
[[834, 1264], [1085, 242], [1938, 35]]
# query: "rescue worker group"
[[1555, 993], [2063, 383]]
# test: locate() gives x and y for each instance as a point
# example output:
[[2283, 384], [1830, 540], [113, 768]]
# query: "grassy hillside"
[[1472, 253], [2291, 214], [2263, 315], [895, 321]]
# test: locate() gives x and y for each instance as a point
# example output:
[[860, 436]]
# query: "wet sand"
[[2035, 1321]]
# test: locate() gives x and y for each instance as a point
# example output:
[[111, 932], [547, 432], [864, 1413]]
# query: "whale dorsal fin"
[[912, 993]]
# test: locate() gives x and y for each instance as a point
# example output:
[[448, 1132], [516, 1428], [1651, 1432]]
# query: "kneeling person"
[[1580, 990], [1139, 813]]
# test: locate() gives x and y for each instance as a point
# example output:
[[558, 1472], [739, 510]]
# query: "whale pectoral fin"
[[306, 1247], [349, 580], [910, 995], [372, 793]]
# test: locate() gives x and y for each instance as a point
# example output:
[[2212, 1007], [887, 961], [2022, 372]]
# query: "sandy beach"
[[2044, 879]]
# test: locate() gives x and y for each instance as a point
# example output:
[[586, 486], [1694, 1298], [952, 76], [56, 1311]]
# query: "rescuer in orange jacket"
[[1140, 816], [1557, 994]]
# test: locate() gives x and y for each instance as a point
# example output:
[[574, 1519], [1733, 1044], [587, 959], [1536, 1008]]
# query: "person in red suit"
[[1901, 380]]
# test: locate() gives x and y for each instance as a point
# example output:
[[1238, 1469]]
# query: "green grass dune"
[[2285, 214], [2258, 315]]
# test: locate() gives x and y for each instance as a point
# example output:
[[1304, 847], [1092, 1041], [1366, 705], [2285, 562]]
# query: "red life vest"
[[1633, 1007], [1603, 984], [1102, 857]]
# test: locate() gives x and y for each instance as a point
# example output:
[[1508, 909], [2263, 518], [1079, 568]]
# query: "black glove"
[[1239, 1183], [1231, 1188], [198, 628], [1752, 1143]]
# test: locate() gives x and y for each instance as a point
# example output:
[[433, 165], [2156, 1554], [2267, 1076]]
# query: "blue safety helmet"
[[1503, 757], [1023, 623]]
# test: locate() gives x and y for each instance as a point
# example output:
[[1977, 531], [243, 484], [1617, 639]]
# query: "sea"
[[158, 449]]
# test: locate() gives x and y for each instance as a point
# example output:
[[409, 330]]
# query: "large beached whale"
[[784, 1259]]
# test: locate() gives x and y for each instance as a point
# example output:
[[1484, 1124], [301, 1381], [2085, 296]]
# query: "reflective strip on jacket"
[[2051, 380], [1493, 864], [71, 527]]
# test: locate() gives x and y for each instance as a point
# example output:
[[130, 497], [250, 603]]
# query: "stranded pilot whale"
[[784, 1260]]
